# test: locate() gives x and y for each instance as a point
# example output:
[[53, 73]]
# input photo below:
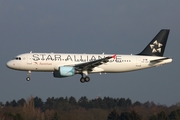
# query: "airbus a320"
[[68, 64]]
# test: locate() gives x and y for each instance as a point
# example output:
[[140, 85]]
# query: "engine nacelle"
[[64, 71]]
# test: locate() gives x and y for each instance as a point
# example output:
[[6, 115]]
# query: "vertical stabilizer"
[[157, 46]]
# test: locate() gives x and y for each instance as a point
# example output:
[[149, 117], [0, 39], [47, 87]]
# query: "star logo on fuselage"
[[156, 47]]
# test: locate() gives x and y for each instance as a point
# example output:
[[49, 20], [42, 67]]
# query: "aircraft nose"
[[9, 64], [13, 65]]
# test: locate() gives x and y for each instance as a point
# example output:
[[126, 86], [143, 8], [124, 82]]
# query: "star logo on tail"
[[156, 47]]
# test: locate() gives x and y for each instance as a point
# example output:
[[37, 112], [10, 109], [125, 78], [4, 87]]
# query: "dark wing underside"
[[88, 66]]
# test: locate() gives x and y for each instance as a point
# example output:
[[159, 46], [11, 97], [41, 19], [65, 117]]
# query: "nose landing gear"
[[28, 78]]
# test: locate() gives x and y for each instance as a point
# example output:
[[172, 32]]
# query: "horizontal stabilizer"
[[159, 60]]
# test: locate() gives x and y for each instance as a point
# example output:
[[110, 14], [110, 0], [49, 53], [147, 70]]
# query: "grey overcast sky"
[[94, 26]]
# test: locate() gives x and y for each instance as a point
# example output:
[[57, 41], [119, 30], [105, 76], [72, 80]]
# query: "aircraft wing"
[[90, 65]]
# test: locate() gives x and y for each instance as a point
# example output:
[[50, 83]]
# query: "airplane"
[[68, 64]]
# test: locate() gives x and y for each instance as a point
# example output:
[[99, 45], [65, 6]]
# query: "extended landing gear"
[[84, 79], [28, 78]]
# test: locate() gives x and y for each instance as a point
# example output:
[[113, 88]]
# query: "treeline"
[[84, 109]]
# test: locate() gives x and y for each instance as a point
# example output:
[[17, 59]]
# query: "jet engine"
[[64, 71]]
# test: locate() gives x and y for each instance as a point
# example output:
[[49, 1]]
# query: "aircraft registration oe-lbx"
[[66, 65]]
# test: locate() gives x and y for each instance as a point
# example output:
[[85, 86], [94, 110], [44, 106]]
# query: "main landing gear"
[[84, 79], [28, 78]]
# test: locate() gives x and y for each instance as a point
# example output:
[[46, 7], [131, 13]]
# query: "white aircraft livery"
[[66, 65]]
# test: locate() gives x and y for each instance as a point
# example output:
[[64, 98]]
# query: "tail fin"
[[157, 46]]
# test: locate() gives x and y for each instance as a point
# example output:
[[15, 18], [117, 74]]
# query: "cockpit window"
[[17, 58]]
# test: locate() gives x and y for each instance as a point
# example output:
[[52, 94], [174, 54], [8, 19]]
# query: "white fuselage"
[[66, 65], [49, 62]]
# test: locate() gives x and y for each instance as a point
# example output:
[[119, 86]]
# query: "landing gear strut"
[[28, 78]]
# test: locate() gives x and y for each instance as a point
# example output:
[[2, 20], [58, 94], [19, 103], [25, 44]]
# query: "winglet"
[[114, 56]]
